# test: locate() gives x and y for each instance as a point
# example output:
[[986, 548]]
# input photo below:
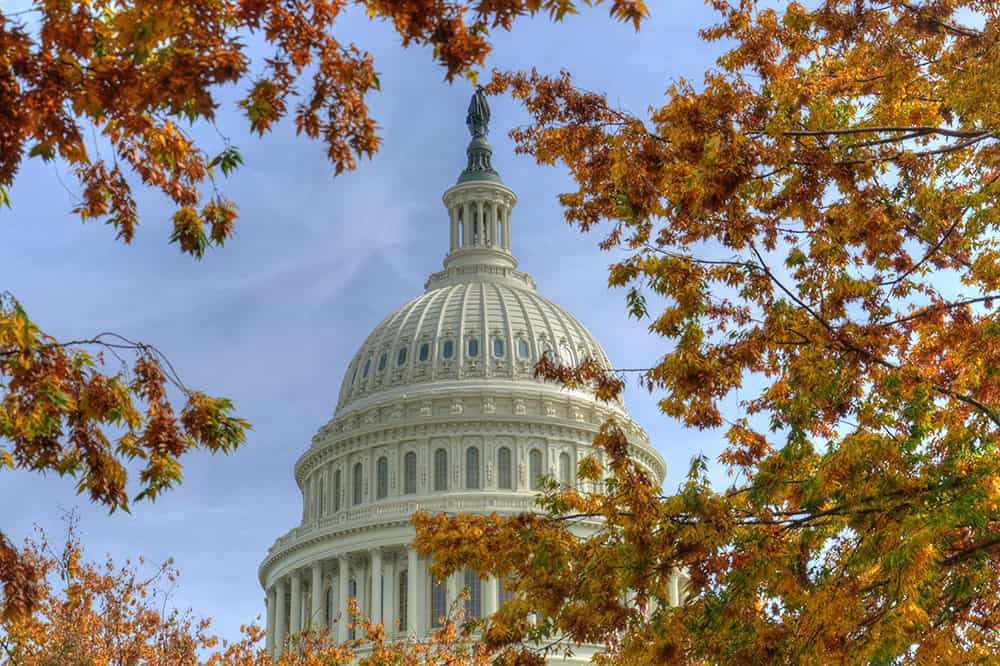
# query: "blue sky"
[[272, 320]]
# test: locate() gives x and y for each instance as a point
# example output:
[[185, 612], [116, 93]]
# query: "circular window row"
[[447, 351]]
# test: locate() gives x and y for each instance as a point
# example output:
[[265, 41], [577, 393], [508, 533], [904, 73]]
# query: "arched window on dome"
[[404, 590], [439, 603], [354, 376], [523, 349], [565, 469], [401, 357], [503, 468], [474, 604], [356, 481], [381, 361], [382, 478], [447, 349], [440, 470], [410, 473], [472, 468], [336, 490], [425, 352], [473, 348], [566, 354], [499, 350], [535, 468], [368, 366]]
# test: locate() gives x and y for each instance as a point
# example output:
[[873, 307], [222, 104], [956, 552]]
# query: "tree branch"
[[954, 28], [941, 306], [838, 337], [916, 130]]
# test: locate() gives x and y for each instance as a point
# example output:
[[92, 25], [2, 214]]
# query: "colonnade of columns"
[[373, 578], [480, 224]]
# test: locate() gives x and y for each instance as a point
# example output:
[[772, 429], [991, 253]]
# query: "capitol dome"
[[467, 328], [439, 411]]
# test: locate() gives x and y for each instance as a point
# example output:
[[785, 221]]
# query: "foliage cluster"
[[110, 88], [112, 614], [820, 216]]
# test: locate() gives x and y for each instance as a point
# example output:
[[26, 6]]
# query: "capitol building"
[[439, 411]]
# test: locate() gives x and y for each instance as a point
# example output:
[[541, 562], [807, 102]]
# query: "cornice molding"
[[395, 513]]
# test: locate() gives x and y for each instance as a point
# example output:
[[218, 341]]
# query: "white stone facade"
[[439, 411]]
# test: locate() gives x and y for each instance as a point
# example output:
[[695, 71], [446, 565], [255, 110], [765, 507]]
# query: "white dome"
[[469, 330], [439, 411]]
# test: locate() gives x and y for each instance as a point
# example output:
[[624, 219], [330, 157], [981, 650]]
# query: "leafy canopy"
[[820, 215], [108, 613], [136, 73], [109, 87]]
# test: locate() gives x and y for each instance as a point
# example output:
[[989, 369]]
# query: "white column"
[[376, 613], [454, 587], [361, 576], [331, 471], [389, 597], [489, 586], [343, 587], [412, 595], [495, 224], [317, 597], [506, 228], [466, 224], [324, 498], [453, 225], [295, 625], [269, 641], [675, 590], [280, 616]]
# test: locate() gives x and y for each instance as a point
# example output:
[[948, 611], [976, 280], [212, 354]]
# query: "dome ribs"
[[528, 325], [509, 359], [482, 307], [437, 361], [430, 298]]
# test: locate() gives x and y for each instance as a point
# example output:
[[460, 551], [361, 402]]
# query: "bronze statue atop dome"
[[478, 117], [480, 164]]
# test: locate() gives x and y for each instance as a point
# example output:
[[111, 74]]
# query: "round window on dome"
[[498, 347], [447, 349], [473, 349], [401, 357], [381, 362], [523, 348], [368, 366], [425, 352]]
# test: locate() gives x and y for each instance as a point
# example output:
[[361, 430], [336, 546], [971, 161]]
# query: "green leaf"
[[228, 160], [44, 150], [795, 258], [636, 303]]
